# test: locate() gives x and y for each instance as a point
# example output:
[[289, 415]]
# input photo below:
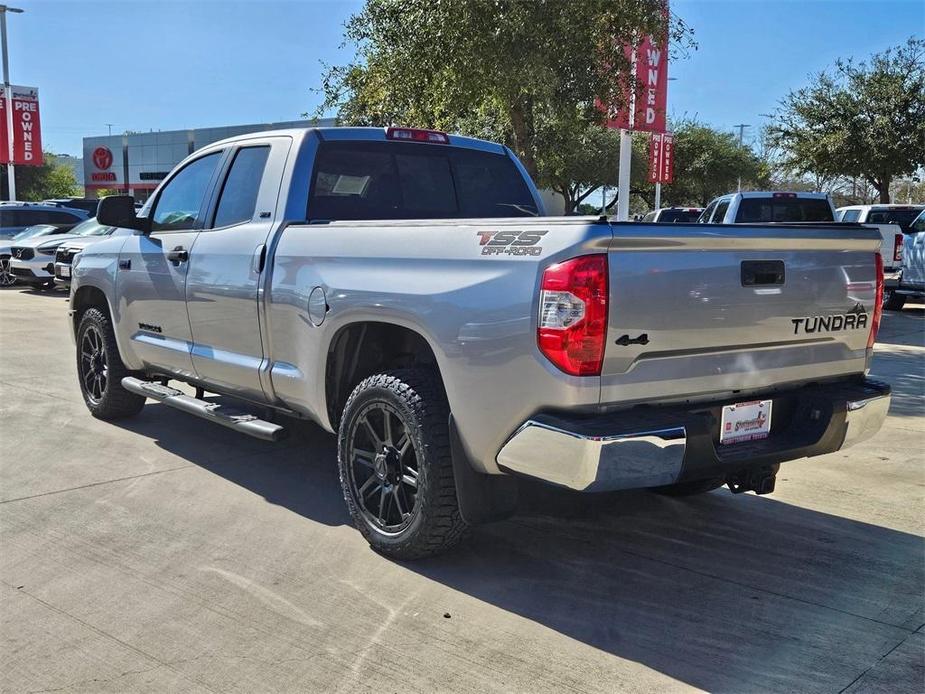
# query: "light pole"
[[741, 127], [8, 98]]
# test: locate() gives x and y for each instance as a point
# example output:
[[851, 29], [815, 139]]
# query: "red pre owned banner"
[[655, 158], [27, 129], [661, 158], [667, 168], [650, 96]]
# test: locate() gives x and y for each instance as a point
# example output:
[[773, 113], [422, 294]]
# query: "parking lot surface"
[[166, 554]]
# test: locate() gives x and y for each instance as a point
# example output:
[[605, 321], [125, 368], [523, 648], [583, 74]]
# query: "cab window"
[[180, 202], [704, 217], [238, 200], [720, 213], [850, 215]]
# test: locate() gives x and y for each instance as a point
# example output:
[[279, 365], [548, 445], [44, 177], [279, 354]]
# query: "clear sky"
[[165, 65]]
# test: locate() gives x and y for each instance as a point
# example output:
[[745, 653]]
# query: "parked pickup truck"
[[759, 207], [893, 223], [400, 287]]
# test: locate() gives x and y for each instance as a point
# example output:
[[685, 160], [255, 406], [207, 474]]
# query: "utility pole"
[[741, 127], [109, 125], [8, 98]]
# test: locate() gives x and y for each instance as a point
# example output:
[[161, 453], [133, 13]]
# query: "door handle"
[[178, 255]]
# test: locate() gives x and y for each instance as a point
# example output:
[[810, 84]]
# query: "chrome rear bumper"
[[582, 462], [619, 451]]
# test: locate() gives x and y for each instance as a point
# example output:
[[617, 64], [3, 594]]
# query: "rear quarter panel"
[[477, 312]]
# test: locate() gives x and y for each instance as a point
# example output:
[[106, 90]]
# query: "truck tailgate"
[[697, 312]]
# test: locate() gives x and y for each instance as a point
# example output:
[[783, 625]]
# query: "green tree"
[[524, 72], [865, 119], [708, 163], [50, 180]]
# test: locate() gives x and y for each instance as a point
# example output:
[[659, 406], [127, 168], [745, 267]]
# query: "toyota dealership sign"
[[102, 163], [27, 129]]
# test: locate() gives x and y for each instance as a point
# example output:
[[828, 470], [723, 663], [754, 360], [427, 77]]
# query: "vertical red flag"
[[666, 174], [650, 96], [655, 157], [27, 129]]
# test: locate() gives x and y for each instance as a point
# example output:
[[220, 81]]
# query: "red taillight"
[[417, 135], [898, 248], [573, 314], [878, 303]]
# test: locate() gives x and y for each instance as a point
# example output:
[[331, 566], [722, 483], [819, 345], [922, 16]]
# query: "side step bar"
[[214, 412]]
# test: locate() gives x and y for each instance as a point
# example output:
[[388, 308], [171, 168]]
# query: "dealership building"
[[135, 163]]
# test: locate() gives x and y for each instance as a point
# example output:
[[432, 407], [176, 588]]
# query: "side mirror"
[[119, 211]]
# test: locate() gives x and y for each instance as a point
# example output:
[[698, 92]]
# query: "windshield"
[[397, 180], [90, 228], [784, 210], [37, 230], [900, 216]]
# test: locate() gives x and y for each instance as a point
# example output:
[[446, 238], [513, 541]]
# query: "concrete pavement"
[[166, 554]]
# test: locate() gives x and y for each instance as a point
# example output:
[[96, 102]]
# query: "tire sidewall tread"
[[418, 396]]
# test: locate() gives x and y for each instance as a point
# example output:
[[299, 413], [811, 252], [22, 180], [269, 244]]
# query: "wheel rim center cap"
[[387, 465]]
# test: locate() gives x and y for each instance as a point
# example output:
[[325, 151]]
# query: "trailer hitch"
[[758, 479]]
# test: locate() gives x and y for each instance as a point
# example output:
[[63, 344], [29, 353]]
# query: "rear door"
[[151, 281], [226, 266], [699, 311]]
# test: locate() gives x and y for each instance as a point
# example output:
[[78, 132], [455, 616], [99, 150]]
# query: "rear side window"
[[704, 217], [784, 210], [851, 216], [720, 212], [238, 200], [395, 180]]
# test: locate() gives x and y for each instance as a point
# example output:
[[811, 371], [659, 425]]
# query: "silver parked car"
[[401, 288], [7, 278]]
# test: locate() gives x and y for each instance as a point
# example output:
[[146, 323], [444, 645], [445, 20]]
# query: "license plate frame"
[[745, 421]]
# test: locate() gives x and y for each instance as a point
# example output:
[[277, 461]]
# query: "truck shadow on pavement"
[[722, 592]]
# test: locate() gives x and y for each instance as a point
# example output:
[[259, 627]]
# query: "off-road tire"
[[690, 488], [892, 301], [114, 402], [416, 398]]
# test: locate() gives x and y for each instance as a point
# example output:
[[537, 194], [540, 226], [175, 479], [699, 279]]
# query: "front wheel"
[[7, 278], [100, 369], [395, 467]]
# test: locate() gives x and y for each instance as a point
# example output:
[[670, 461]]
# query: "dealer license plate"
[[745, 421], [64, 271]]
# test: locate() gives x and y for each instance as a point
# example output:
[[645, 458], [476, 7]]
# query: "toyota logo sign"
[[102, 157]]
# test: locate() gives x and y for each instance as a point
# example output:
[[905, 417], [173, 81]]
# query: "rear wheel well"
[[363, 349], [88, 297]]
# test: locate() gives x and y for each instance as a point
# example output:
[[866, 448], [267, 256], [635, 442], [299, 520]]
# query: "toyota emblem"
[[102, 157]]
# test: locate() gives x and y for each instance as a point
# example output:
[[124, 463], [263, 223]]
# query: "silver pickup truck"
[[401, 288]]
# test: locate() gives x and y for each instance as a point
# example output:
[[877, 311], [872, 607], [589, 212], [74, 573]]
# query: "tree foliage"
[[864, 119], [50, 180], [523, 73], [707, 163]]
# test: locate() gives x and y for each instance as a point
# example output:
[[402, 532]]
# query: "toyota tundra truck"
[[402, 289]]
